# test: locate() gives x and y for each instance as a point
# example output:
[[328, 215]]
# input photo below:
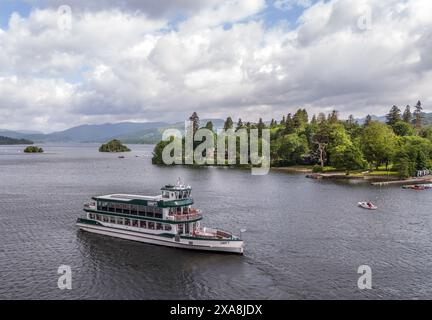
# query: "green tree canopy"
[[401, 128], [378, 143], [413, 154]]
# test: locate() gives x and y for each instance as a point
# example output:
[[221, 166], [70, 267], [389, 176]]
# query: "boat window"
[[119, 220], [159, 226], [127, 222], [141, 210], [167, 227], [105, 219], [143, 224], [134, 210], [112, 220], [135, 223], [98, 217], [151, 225], [103, 206]]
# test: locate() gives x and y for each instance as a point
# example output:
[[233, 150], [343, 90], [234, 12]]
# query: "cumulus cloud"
[[118, 64]]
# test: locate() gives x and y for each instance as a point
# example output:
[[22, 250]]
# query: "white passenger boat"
[[167, 219]]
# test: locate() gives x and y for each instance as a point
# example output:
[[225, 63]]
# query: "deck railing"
[[90, 205], [186, 217], [213, 233]]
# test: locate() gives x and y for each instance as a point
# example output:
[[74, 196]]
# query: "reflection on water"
[[305, 238]]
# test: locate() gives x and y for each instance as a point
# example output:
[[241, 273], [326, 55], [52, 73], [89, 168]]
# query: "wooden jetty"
[[422, 180]]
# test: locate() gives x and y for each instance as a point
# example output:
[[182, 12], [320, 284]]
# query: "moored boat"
[[418, 187], [167, 219]]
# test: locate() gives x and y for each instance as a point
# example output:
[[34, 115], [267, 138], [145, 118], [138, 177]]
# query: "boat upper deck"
[[172, 196], [129, 197]]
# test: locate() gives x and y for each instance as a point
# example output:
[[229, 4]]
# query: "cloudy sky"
[[142, 60]]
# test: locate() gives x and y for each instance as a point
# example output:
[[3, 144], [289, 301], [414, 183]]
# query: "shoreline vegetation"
[[114, 146], [5, 141], [328, 146], [33, 149]]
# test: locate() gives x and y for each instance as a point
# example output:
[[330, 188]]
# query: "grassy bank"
[[332, 172]]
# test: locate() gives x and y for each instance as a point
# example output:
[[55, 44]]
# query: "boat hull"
[[365, 206], [227, 246]]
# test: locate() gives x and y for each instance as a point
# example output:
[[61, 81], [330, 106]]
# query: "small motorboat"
[[418, 187], [367, 205]]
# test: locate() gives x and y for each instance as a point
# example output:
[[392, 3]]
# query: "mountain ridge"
[[129, 132]]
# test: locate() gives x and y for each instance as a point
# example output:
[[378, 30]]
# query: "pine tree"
[[209, 126], [394, 116], [239, 124], [300, 118], [321, 118], [289, 124], [261, 124], [407, 115], [351, 121], [418, 115], [194, 119], [368, 120], [314, 120], [333, 117], [305, 116], [228, 124]]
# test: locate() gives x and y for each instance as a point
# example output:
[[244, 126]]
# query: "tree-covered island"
[[399, 147], [114, 146], [33, 149]]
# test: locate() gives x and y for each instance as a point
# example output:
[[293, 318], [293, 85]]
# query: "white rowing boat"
[[367, 205]]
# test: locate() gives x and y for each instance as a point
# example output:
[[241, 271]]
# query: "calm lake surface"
[[305, 239]]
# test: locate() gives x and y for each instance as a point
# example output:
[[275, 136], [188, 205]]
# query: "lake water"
[[305, 239]]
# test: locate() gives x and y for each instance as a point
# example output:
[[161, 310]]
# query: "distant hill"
[[154, 135], [12, 141], [374, 118], [129, 132], [427, 119], [13, 134], [88, 133]]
